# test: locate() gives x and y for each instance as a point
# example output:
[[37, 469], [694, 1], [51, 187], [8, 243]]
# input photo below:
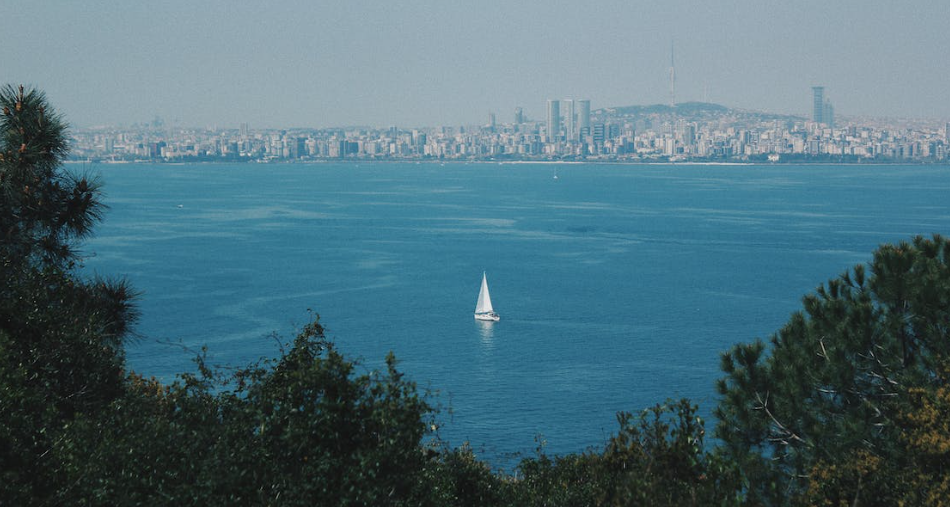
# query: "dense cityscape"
[[691, 131]]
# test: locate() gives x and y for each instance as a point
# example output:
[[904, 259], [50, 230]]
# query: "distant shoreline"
[[512, 162]]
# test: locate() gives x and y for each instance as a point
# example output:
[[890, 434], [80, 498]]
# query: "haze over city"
[[427, 63]]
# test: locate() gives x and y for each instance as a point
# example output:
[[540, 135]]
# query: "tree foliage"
[[288, 431], [60, 336], [828, 393], [657, 457], [927, 440], [43, 209]]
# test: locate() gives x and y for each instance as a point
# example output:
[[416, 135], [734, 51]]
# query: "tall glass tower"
[[828, 114], [569, 119], [554, 119], [583, 117], [818, 110]]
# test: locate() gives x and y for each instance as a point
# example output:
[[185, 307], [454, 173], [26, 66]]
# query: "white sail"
[[484, 299]]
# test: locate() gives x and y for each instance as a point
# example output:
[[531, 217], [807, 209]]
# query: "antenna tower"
[[672, 79]]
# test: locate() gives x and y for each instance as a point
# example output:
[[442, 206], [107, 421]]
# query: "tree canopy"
[[825, 406], [61, 336]]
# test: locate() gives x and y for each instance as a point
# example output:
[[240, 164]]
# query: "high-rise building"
[[569, 119], [946, 132], [828, 114], [818, 105], [296, 147], [598, 133], [491, 121], [418, 138], [612, 131], [519, 116], [689, 134], [583, 118], [554, 119]]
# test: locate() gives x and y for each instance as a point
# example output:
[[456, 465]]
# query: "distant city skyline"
[[429, 63], [690, 132]]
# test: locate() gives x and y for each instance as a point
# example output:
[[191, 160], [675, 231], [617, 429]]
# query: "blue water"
[[618, 285]]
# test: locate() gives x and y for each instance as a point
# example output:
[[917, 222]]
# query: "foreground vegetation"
[[847, 404]]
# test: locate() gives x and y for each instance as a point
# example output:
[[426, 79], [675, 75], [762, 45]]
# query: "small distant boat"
[[555, 173], [483, 309]]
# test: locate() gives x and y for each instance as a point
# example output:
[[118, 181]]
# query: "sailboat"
[[483, 309]]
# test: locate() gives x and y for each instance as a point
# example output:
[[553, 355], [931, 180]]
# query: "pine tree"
[[827, 392], [61, 335]]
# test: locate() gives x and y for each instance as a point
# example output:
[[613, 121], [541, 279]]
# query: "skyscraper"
[[828, 114], [583, 118], [569, 117], [554, 119], [519, 115], [818, 107]]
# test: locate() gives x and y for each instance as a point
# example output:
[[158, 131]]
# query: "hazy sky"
[[445, 62]]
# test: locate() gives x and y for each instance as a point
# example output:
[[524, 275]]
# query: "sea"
[[618, 286]]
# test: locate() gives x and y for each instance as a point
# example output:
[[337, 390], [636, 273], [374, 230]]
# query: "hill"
[[691, 111]]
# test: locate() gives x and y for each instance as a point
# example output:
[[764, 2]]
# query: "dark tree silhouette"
[[60, 335], [830, 388]]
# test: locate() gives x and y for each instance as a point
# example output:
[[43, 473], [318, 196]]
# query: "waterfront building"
[[689, 134], [828, 114], [598, 133], [554, 120], [583, 118], [818, 104], [569, 120]]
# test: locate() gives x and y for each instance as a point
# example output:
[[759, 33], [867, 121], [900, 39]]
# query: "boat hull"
[[492, 317]]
